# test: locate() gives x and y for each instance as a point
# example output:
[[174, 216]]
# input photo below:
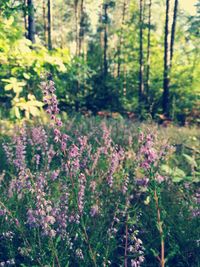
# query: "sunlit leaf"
[[190, 160], [8, 87], [31, 97], [36, 103], [26, 76], [17, 113], [34, 111]]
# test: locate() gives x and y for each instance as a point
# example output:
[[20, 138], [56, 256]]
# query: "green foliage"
[[23, 68], [79, 77]]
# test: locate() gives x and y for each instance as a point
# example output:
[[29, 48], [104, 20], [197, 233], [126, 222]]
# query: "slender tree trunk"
[[77, 84], [49, 17], [44, 21], [141, 59], [125, 80], [105, 60], [76, 24], [25, 17], [166, 80], [173, 31], [31, 21], [121, 39], [149, 49], [81, 27], [101, 36]]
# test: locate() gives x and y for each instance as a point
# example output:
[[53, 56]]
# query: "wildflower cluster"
[[150, 156], [50, 99], [76, 194]]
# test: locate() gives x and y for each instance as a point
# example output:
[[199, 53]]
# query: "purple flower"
[[115, 161], [9, 152], [74, 151], [63, 146], [81, 193], [55, 175], [20, 152], [125, 185], [94, 210], [2, 212], [159, 178], [37, 159], [142, 182]]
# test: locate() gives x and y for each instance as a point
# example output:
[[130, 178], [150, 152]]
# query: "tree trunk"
[[81, 27], [148, 49], [101, 37], [31, 21], [76, 24], [121, 39], [105, 60], [49, 17], [25, 18], [166, 80], [44, 21], [173, 31], [125, 80], [141, 59]]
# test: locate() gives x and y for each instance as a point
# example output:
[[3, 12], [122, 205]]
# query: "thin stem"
[[55, 253], [162, 258], [126, 248], [92, 255]]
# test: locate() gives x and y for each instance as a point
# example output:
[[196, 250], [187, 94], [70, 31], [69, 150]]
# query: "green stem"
[[160, 228]]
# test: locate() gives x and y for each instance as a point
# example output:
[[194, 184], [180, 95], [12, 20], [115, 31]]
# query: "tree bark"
[[173, 32], [44, 21], [76, 25], [49, 17], [101, 36], [81, 27], [148, 49], [125, 80], [25, 17], [105, 60], [31, 21], [166, 80], [121, 39], [141, 58]]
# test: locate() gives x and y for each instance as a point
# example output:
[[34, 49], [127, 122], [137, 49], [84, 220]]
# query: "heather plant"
[[73, 197], [65, 196]]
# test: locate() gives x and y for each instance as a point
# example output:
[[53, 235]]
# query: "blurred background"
[[132, 58]]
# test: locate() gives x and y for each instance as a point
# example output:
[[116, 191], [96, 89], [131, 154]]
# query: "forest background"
[[138, 59]]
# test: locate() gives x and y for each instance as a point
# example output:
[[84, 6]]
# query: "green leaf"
[[166, 169], [155, 252], [8, 87], [31, 97], [14, 84], [178, 175], [58, 239], [190, 160], [9, 21], [34, 111], [36, 103], [26, 76], [17, 113], [193, 179]]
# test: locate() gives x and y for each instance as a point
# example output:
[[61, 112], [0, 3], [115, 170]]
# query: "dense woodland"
[[137, 58]]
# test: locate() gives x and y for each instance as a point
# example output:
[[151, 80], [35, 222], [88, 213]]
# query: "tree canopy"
[[122, 56]]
